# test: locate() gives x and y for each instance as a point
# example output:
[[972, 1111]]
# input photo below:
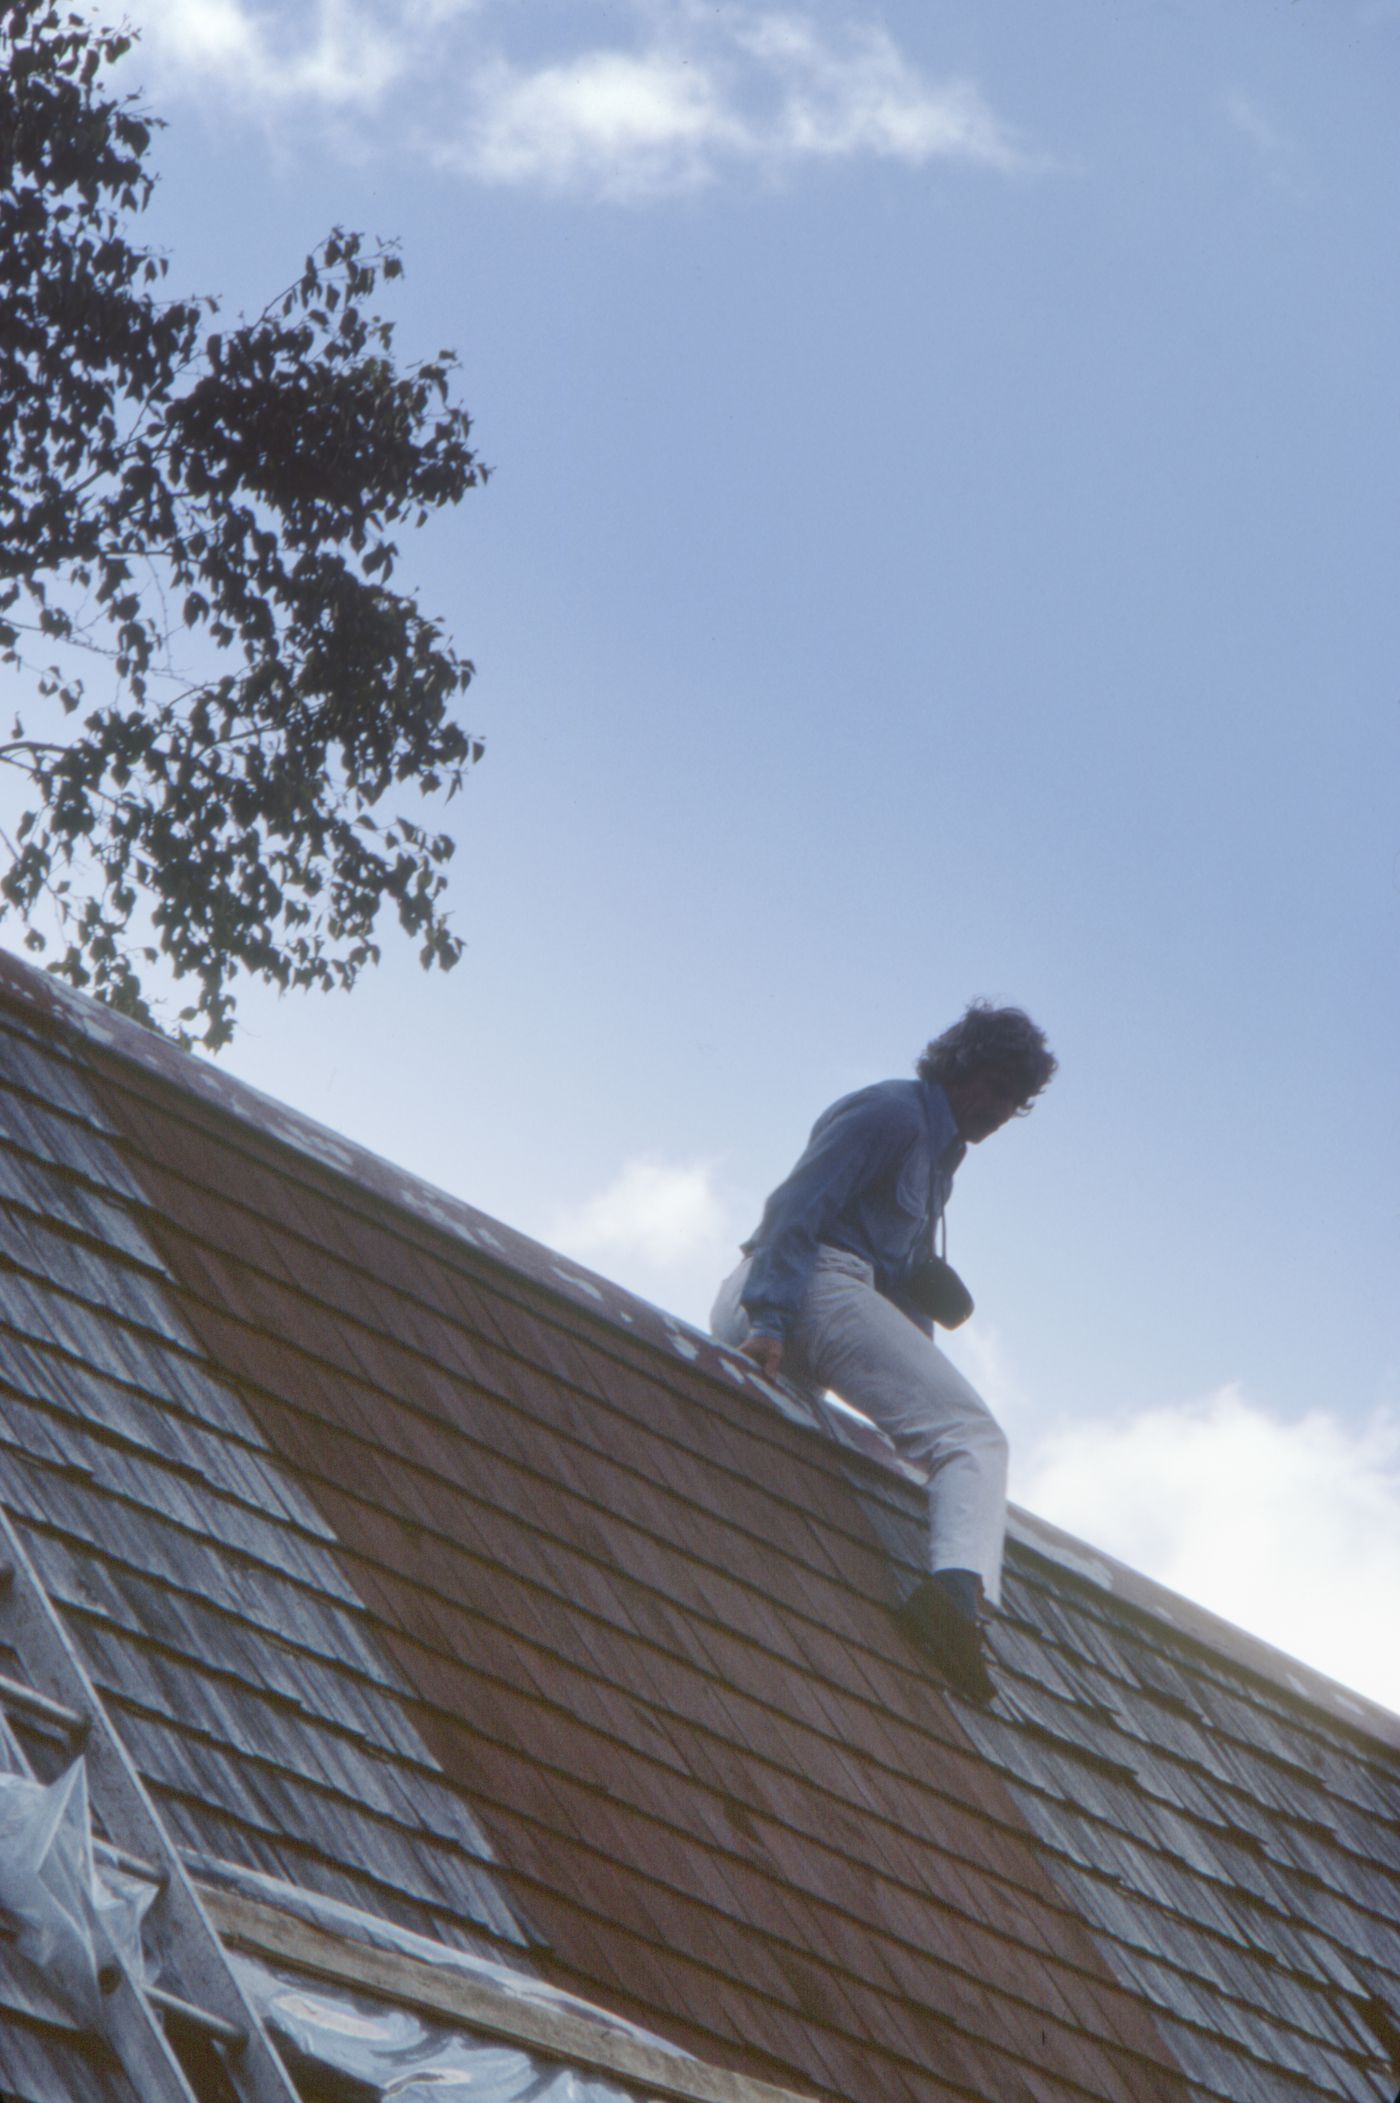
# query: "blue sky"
[[943, 543]]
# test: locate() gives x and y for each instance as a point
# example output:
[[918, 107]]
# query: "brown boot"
[[932, 1617]]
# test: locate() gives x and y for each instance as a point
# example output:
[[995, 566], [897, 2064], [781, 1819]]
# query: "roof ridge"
[[1212, 1632]]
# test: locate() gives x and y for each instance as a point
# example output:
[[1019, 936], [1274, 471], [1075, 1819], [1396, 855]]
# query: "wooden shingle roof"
[[425, 1570]]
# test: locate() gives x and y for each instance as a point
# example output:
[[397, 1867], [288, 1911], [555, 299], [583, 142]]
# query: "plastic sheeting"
[[380, 1934], [383, 2054], [67, 1922]]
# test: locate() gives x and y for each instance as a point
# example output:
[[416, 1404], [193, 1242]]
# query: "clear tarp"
[[356, 1926], [383, 2054], [66, 1922]]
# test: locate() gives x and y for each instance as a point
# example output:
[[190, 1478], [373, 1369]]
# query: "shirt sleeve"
[[848, 1148]]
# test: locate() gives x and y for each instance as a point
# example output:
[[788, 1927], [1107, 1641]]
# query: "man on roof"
[[841, 1284]]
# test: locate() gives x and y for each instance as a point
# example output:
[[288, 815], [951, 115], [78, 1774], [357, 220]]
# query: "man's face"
[[982, 1102]]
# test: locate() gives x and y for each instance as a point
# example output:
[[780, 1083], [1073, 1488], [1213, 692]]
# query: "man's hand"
[[766, 1353]]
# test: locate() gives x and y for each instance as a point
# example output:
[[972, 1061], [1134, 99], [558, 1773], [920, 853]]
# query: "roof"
[[426, 1570]]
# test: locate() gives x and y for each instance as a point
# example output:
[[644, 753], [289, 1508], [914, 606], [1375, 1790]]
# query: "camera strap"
[[938, 1214]]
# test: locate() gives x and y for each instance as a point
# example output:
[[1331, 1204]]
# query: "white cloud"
[[860, 95], [656, 1214], [718, 88], [1274, 150], [337, 54], [693, 91], [1289, 1529], [619, 123]]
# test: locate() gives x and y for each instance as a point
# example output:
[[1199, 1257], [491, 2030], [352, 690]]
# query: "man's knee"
[[962, 1423], [991, 1442]]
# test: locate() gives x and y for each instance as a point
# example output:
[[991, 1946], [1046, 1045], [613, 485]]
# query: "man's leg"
[[850, 1339], [859, 1344]]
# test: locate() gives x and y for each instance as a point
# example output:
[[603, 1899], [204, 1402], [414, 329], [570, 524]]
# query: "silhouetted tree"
[[220, 692]]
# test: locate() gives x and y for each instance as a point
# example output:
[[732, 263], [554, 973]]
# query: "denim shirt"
[[874, 1179]]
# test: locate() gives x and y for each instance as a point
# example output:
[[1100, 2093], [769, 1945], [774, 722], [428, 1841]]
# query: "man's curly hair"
[[1004, 1040]]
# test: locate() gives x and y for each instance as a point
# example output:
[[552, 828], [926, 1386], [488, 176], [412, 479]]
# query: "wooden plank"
[[555, 2033]]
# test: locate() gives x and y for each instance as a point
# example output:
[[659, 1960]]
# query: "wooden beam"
[[441, 1990]]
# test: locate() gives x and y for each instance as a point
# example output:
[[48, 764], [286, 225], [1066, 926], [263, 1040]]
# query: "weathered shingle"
[[198, 1578]]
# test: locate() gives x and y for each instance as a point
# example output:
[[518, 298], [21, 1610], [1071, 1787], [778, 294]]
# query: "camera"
[[935, 1288]]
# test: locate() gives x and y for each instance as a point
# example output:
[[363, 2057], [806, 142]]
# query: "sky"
[[942, 542]]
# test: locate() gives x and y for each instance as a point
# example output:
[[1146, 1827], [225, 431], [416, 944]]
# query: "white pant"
[[849, 1338]]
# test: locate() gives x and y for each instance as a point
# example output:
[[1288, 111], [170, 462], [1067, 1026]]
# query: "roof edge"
[[499, 1245], [1198, 1624]]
